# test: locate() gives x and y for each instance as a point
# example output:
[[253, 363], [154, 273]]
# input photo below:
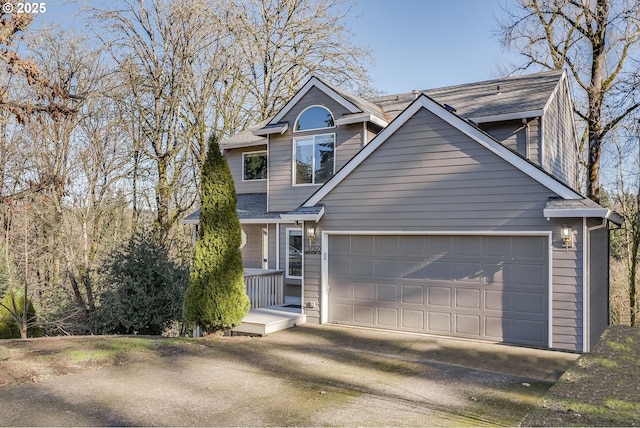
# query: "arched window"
[[314, 117]]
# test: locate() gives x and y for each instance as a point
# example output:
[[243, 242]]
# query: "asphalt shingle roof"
[[508, 95], [517, 94]]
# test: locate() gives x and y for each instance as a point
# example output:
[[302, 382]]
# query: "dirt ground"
[[601, 389], [305, 376]]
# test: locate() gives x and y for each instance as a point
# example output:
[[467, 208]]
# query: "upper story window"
[[254, 166], [314, 117], [314, 159]]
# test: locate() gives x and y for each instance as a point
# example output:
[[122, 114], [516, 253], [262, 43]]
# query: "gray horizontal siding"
[[568, 298], [252, 252], [599, 284], [431, 177], [283, 195], [560, 151]]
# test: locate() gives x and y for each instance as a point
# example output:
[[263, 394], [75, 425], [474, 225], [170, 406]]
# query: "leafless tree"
[[284, 42], [597, 42]]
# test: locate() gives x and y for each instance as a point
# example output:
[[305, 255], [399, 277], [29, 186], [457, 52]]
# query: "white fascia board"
[[360, 119], [303, 217], [271, 130], [457, 122], [190, 221], [508, 116], [314, 82]]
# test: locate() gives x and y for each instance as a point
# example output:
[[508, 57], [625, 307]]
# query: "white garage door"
[[484, 287]]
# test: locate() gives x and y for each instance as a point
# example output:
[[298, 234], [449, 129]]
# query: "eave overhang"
[[314, 213], [603, 213], [276, 128], [361, 118]]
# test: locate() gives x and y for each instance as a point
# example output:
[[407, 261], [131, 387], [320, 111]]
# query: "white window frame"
[[290, 232], [254, 153], [295, 124], [294, 161]]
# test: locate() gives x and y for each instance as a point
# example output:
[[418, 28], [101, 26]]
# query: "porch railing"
[[264, 287]]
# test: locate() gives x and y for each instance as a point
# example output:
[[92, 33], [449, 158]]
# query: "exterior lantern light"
[[311, 234], [567, 236]]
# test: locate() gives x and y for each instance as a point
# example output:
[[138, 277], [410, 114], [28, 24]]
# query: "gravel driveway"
[[306, 376]]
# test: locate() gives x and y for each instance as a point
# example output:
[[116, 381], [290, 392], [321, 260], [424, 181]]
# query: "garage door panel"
[[498, 246], [342, 312], [530, 248], [468, 298], [388, 317], [412, 246], [467, 325], [439, 296], [441, 270], [362, 245], [412, 269], [529, 331], [413, 319], [487, 287], [439, 322], [362, 268], [529, 274], [497, 300], [497, 273], [438, 246], [413, 294], [386, 245], [387, 268], [466, 246], [364, 314], [340, 267], [388, 293], [531, 303], [497, 328], [364, 291], [467, 272]]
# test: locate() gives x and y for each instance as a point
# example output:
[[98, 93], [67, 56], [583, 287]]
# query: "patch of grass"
[[621, 347], [605, 362]]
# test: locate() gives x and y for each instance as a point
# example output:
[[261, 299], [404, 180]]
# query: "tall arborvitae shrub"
[[216, 298]]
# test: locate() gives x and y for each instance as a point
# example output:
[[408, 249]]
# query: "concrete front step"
[[263, 321]]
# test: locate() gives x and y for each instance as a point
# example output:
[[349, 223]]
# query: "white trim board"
[[462, 125]]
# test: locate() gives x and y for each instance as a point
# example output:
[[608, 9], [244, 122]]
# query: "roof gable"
[[462, 125]]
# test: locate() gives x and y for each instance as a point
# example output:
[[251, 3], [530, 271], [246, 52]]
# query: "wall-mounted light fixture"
[[567, 236], [311, 234]]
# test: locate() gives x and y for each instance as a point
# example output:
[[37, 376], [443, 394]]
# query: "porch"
[[271, 310]]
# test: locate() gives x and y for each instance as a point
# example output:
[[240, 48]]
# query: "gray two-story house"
[[451, 211]]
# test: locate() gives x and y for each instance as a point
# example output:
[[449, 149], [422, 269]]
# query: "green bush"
[[216, 298], [9, 328], [144, 288]]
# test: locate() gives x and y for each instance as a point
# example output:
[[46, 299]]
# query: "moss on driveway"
[[310, 375]]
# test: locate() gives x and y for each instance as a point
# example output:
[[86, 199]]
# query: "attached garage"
[[488, 287]]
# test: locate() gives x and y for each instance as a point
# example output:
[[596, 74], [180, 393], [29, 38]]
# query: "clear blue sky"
[[417, 44], [421, 44]]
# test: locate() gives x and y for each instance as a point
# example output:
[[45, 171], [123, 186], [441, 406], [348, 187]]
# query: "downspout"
[[364, 135], [586, 298]]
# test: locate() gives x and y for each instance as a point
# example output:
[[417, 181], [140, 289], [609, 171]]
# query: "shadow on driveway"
[[310, 375]]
